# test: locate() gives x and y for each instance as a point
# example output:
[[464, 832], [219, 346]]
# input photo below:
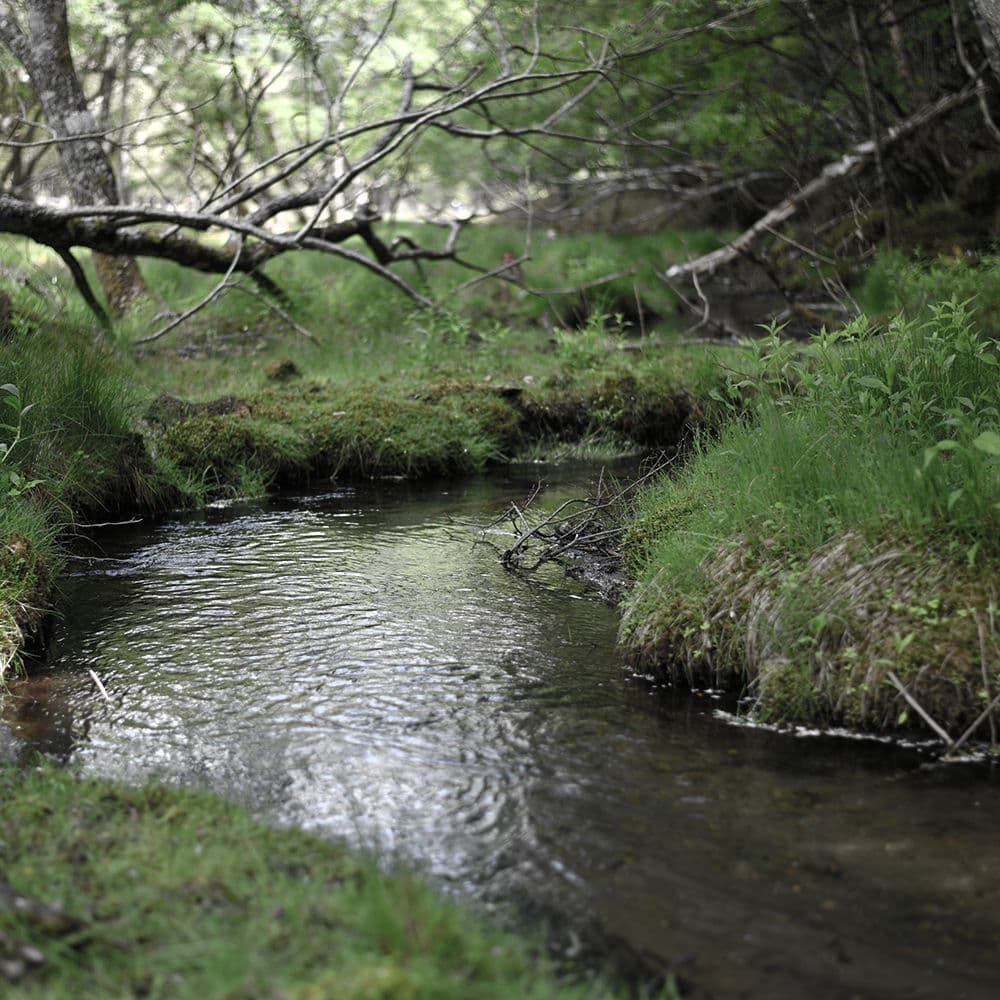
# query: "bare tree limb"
[[833, 174]]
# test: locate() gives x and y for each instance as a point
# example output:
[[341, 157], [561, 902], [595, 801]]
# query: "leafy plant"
[[12, 483]]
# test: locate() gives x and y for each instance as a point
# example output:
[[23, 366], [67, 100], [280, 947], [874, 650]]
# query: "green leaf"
[[953, 497], [931, 453], [9, 387], [988, 441], [871, 382]]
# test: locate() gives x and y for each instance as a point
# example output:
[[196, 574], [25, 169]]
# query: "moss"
[[649, 408], [170, 893], [815, 641]]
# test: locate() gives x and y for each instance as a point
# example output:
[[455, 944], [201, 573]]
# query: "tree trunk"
[[43, 49], [987, 15]]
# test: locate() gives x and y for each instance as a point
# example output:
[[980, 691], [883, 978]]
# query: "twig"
[[201, 304], [100, 686], [986, 676], [921, 711], [580, 524], [986, 713], [639, 310], [275, 308], [110, 524]]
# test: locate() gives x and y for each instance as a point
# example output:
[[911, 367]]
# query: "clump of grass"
[[899, 283], [867, 457], [173, 893], [68, 450]]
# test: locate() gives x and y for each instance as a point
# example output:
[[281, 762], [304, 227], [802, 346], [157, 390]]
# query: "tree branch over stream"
[[319, 187]]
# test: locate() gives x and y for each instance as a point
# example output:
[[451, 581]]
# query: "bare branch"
[[849, 165]]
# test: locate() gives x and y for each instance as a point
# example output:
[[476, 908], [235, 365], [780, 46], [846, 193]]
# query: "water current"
[[352, 662]]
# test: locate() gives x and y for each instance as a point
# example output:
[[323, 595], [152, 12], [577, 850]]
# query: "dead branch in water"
[[582, 526]]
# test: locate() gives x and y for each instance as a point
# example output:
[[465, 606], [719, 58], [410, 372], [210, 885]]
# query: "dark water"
[[352, 663]]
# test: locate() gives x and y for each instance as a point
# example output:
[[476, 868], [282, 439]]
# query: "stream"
[[350, 661]]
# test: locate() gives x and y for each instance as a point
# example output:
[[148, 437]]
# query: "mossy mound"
[[164, 893], [294, 433], [815, 640], [291, 436], [647, 408]]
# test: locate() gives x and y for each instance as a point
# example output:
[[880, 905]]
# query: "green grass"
[[178, 894], [364, 329], [898, 283], [69, 452], [847, 524]]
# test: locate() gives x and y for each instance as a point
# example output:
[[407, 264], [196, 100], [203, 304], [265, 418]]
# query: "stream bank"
[[830, 547], [834, 551]]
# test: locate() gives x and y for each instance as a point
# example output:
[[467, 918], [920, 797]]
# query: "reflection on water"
[[350, 662]]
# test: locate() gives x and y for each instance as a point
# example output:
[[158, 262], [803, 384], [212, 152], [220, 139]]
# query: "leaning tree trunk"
[[987, 15], [42, 47]]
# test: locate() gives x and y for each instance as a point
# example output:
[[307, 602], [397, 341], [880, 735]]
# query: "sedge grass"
[[871, 449]]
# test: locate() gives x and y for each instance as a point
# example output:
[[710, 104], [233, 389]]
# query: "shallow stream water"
[[350, 661]]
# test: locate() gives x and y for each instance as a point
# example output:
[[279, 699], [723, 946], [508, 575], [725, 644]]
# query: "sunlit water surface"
[[353, 663]]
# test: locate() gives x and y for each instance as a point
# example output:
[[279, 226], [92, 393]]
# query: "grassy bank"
[[166, 893], [844, 525]]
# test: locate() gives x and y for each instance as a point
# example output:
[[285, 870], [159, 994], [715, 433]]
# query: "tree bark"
[[987, 15], [42, 48]]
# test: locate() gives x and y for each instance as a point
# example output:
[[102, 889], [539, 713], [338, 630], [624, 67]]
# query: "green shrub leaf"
[[988, 441]]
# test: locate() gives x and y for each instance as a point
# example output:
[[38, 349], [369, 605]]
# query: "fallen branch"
[[582, 526], [921, 711], [833, 174]]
